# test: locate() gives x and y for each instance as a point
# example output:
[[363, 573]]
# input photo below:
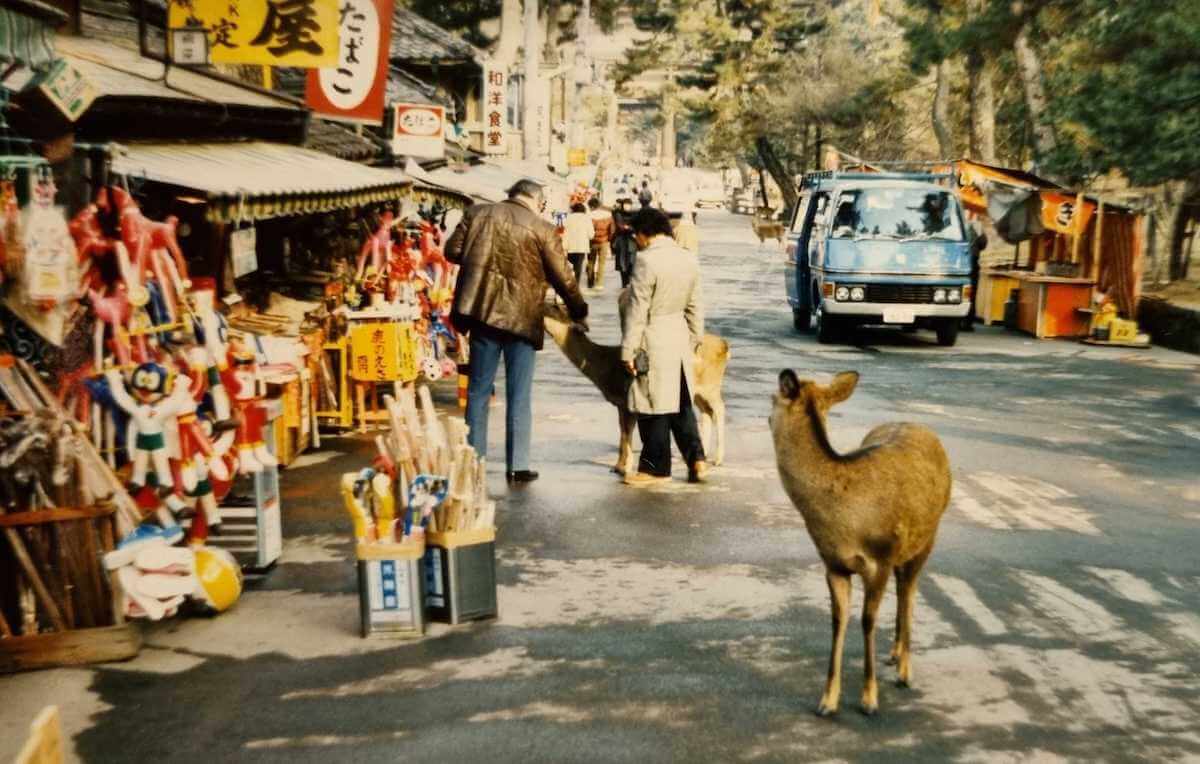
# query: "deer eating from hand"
[[873, 512], [601, 364]]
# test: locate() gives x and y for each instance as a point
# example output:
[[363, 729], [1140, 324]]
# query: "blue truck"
[[878, 248]]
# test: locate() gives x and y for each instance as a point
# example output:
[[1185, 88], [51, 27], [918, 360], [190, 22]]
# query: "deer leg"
[[839, 605], [906, 598], [876, 586], [894, 656], [719, 416], [627, 421]]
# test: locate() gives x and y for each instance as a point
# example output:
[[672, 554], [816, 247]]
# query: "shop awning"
[[257, 180], [487, 182], [27, 33]]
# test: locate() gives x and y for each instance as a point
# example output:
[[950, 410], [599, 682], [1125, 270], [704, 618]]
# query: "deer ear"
[[842, 386], [789, 384]]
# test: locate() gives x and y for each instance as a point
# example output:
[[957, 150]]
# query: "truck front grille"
[[900, 293]]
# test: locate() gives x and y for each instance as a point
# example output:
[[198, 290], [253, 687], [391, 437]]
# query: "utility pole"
[[530, 136]]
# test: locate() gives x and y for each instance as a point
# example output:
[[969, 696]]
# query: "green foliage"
[[1127, 90], [460, 16]]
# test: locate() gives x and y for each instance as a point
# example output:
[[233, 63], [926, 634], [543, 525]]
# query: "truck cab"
[[878, 248]]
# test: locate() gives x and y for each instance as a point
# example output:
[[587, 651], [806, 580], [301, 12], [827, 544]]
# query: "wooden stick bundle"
[[422, 442]]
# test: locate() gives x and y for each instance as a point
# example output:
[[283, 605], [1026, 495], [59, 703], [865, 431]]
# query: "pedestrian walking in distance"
[[602, 232], [624, 247], [645, 195], [577, 233], [686, 233], [508, 253], [662, 326]]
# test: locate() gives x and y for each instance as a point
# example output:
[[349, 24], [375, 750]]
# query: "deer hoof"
[[903, 682], [618, 470], [893, 659], [825, 710], [870, 709]]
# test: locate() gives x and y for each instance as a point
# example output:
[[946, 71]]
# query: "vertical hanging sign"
[[353, 91], [495, 110]]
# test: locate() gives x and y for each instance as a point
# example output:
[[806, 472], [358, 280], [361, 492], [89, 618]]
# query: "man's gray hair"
[[529, 188]]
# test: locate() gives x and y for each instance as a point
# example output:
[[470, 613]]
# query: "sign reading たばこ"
[[353, 90]]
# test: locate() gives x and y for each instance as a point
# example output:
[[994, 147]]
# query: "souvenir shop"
[[172, 344]]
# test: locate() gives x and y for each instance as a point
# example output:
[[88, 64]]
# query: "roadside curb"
[[1170, 325]]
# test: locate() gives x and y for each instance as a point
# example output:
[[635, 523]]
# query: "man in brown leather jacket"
[[508, 254]]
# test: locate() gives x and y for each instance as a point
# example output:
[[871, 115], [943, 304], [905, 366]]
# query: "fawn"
[[602, 365], [873, 511]]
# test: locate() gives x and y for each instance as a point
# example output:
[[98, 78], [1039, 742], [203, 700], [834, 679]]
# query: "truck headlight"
[[841, 294], [858, 294], [939, 295], [954, 295]]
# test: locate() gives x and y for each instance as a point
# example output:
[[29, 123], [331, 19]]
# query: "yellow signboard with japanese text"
[[383, 351], [300, 33]]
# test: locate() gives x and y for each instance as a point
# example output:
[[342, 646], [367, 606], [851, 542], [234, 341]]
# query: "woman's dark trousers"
[[656, 431]]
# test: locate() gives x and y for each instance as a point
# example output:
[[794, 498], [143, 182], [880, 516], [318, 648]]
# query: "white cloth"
[[578, 231]]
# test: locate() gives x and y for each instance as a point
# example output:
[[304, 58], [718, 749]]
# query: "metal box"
[[460, 576], [391, 589]]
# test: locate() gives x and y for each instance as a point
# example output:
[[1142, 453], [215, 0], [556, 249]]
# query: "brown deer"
[[602, 365], [873, 511], [766, 226]]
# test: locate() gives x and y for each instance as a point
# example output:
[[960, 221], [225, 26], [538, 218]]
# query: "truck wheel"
[[947, 332], [825, 327], [801, 319]]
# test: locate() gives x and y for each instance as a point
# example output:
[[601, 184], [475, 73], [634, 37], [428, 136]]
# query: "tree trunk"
[[983, 100], [1030, 66], [550, 51], [531, 127], [1181, 244], [510, 33], [668, 132], [770, 160], [941, 113]]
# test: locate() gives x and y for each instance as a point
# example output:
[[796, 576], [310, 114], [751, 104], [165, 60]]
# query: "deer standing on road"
[[766, 226], [602, 365], [872, 512]]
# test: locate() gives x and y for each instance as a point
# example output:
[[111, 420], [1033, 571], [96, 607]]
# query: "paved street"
[[1058, 617]]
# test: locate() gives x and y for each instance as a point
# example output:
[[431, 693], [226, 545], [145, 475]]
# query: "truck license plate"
[[899, 315]]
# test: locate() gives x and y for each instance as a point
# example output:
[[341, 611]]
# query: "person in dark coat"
[[508, 254], [624, 245]]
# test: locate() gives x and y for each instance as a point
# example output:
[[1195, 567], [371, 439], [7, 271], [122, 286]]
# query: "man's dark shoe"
[[521, 476]]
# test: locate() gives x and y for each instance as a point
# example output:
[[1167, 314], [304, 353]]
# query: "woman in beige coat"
[[662, 324]]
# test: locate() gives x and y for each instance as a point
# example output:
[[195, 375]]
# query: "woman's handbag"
[[641, 363]]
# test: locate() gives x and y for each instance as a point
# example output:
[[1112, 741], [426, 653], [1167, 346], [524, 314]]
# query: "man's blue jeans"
[[519, 355]]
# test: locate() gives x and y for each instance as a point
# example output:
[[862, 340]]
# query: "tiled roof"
[[417, 39], [402, 87], [341, 142]]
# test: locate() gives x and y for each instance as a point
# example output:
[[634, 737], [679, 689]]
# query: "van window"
[[897, 213], [800, 213]]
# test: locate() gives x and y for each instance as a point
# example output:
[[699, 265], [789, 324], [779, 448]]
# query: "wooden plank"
[[57, 515], [44, 745], [69, 648], [39, 587]]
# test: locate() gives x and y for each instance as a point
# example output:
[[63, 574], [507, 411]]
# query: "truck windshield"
[[897, 213]]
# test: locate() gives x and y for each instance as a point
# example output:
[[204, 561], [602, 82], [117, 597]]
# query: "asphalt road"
[[1057, 618]]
